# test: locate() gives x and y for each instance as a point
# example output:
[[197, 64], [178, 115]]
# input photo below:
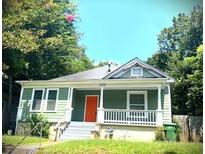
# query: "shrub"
[[178, 130], [34, 119], [159, 134]]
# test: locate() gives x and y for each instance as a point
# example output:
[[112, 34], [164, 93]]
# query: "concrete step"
[[78, 130]]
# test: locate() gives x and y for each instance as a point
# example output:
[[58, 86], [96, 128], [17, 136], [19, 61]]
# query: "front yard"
[[122, 147]]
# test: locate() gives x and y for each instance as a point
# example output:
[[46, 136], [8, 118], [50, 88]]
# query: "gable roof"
[[103, 73], [137, 61]]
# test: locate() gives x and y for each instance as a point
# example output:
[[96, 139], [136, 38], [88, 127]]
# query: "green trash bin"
[[170, 131]]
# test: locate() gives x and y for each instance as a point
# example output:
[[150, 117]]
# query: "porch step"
[[78, 130]]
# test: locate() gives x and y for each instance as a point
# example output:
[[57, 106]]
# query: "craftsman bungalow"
[[132, 100]]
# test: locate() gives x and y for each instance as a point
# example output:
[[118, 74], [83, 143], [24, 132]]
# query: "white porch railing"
[[130, 117], [63, 123]]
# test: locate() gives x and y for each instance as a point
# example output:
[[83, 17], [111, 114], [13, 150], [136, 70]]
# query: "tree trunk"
[[7, 106]]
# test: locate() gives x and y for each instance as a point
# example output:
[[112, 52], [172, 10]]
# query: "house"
[[129, 101]]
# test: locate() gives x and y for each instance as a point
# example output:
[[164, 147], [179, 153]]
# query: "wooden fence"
[[191, 127]]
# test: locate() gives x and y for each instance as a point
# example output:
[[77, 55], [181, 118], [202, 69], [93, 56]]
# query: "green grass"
[[122, 147], [13, 140]]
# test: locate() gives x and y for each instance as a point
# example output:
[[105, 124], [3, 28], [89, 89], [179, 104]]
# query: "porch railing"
[[62, 124], [130, 117]]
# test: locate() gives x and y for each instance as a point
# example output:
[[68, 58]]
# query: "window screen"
[[137, 101], [36, 104], [51, 101]]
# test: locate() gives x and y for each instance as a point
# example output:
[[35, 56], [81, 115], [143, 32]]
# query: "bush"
[[178, 130], [159, 134], [34, 119]]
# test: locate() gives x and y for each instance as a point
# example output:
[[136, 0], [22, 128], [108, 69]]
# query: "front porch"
[[125, 106]]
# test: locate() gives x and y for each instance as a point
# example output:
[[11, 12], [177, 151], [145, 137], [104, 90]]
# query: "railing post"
[[100, 111], [100, 115]]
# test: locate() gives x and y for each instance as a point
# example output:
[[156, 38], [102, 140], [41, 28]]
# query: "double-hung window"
[[36, 100], [137, 100], [52, 95]]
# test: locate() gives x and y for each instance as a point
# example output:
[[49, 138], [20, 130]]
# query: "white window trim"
[[46, 102], [141, 74], [33, 98], [137, 92]]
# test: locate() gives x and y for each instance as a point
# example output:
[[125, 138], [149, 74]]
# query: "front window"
[[137, 100], [37, 99], [51, 99]]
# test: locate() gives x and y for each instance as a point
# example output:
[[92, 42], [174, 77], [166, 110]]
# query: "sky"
[[120, 30]]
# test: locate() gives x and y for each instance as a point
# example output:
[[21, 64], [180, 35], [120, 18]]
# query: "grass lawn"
[[13, 140], [121, 147]]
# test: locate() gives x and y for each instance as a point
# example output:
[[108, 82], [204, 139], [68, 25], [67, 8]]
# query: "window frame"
[[32, 98], [137, 92], [46, 102], [141, 71]]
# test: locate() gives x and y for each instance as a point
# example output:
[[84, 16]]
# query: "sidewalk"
[[28, 149]]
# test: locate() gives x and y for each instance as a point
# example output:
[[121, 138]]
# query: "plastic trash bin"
[[170, 131]]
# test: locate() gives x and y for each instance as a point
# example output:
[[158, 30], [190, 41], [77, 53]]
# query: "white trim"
[[170, 103], [159, 105], [46, 101], [136, 67], [86, 104], [33, 91], [137, 92], [21, 95], [70, 83], [101, 97], [121, 73]]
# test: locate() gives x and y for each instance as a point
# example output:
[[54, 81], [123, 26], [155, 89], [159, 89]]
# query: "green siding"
[[126, 74], [146, 74], [27, 93], [79, 103], [113, 99], [152, 99], [26, 108], [52, 116], [166, 106], [63, 94]]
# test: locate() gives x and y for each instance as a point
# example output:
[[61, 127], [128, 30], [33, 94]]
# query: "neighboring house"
[[132, 100]]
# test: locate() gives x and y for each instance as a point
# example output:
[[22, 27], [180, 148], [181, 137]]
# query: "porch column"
[[100, 113], [69, 106], [159, 120]]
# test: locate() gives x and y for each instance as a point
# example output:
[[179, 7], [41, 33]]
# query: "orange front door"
[[91, 108]]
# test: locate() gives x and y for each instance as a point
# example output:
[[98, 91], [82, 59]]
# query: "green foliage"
[[122, 147], [38, 43], [178, 130], [36, 118], [180, 54], [159, 134]]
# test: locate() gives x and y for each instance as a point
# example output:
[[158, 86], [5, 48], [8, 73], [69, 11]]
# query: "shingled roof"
[[103, 73], [96, 73]]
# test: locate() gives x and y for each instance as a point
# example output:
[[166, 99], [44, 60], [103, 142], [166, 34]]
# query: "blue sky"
[[119, 30]]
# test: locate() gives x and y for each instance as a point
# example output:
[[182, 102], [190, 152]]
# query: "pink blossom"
[[70, 17]]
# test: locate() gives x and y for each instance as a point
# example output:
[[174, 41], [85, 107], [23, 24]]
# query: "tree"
[[180, 54], [39, 43]]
